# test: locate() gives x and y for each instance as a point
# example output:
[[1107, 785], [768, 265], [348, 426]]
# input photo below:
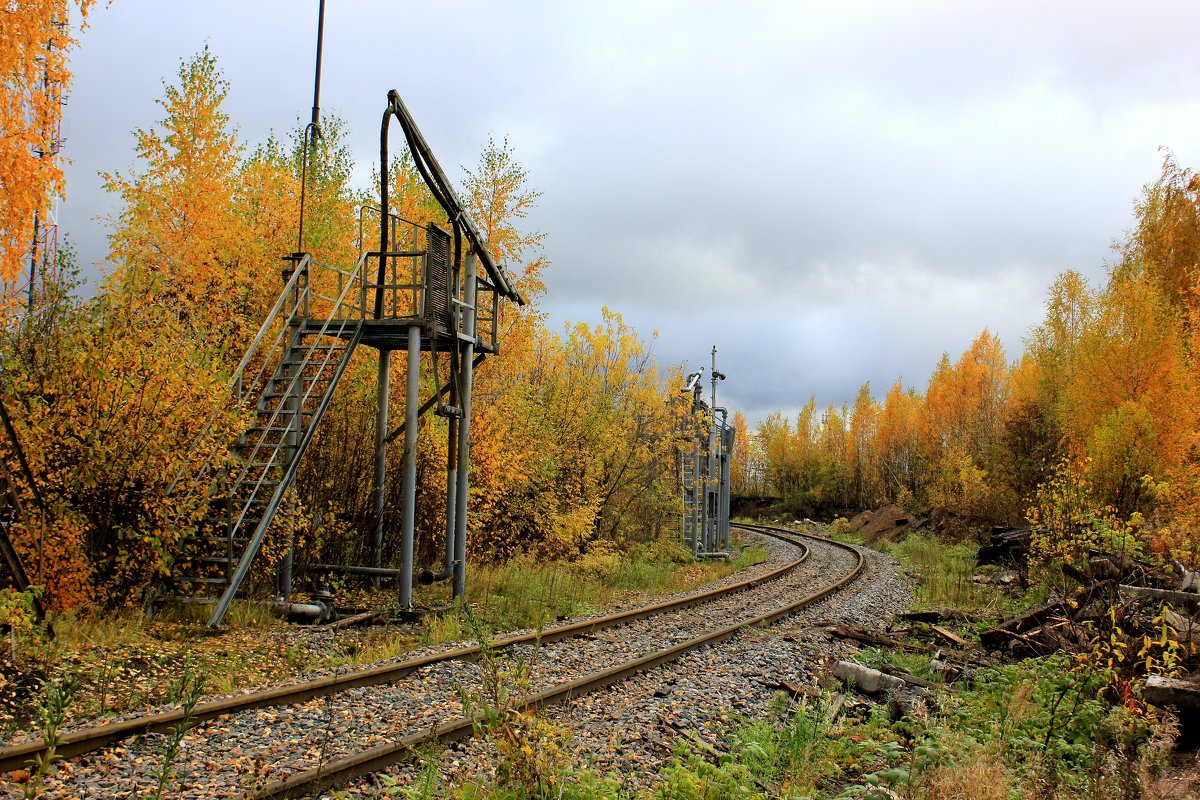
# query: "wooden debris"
[[933, 617], [365, 618], [871, 637], [950, 636], [1036, 618], [906, 704], [835, 707], [1189, 579], [1008, 546], [1188, 628], [1189, 599], [946, 671]]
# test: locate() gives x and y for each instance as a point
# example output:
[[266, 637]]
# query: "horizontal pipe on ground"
[[342, 569], [313, 611]]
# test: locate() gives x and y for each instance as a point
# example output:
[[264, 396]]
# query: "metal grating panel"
[[437, 279]]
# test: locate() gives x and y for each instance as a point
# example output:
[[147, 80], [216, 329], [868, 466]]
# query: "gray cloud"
[[831, 193]]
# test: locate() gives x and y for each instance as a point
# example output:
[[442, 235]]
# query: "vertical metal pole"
[[683, 493], [697, 494], [312, 131], [723, 493], [316, 106], [380, 480], [293, 408], [411, 403], [451, 481], [710, 483], [467, 368], [33, 253], [283, 579]]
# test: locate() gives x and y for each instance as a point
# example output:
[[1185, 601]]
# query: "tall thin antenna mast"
[[312, 131]]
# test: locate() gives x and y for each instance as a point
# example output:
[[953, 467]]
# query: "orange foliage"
[[744, 470], [897, 442], [1166, 240], [963, 402], [35, 41], [108, 419], [178, 244]]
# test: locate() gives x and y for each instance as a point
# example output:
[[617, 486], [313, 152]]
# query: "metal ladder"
[[288, 375], [690, 496]]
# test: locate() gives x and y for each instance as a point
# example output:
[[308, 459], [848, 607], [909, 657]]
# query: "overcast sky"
[[829, 192]]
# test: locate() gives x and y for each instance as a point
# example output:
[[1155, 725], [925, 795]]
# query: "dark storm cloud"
[[831, 193]]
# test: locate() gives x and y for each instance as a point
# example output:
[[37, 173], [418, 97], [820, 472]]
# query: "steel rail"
[[85, 740], [339, 771]]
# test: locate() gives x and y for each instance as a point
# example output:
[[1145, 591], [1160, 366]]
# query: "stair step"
[[197, 579], [279, 463], [270, 394], [318, 361], [211, 559], [288, 398], [250, 491], [222, 541], [188, 600]]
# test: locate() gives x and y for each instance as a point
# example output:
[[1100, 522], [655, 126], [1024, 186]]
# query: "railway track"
[[623, 655]]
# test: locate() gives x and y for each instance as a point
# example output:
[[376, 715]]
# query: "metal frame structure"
[[704, 469], [422, 290]]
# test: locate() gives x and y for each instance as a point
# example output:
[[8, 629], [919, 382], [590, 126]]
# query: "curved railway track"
[[338, 770]]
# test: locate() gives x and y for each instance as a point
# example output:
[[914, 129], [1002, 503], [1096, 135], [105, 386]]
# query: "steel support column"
[[698, 496], [411, 401], [283, 577], [379, 486], [723, 493], [464, 431], [451, 506]]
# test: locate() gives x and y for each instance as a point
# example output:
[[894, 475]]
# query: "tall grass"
[[522, 594], [943, 574]]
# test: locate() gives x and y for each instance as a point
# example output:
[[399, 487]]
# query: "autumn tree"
[[1165, 244], [745, 465], [864, 490], [897, 443], [35, 42], [780, 470], [963, 402], [179, 240], [110, 419], [1130, 403], [498, 197]]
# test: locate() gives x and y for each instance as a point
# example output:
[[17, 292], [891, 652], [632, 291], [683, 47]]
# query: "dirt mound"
[[889, 522]]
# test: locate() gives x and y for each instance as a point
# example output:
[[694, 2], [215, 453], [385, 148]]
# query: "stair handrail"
[[324, 331], [301, 270], [234, 384], [260, 530], [290, 468]]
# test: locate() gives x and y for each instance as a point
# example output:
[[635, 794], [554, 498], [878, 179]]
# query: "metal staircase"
[[288, 376]]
